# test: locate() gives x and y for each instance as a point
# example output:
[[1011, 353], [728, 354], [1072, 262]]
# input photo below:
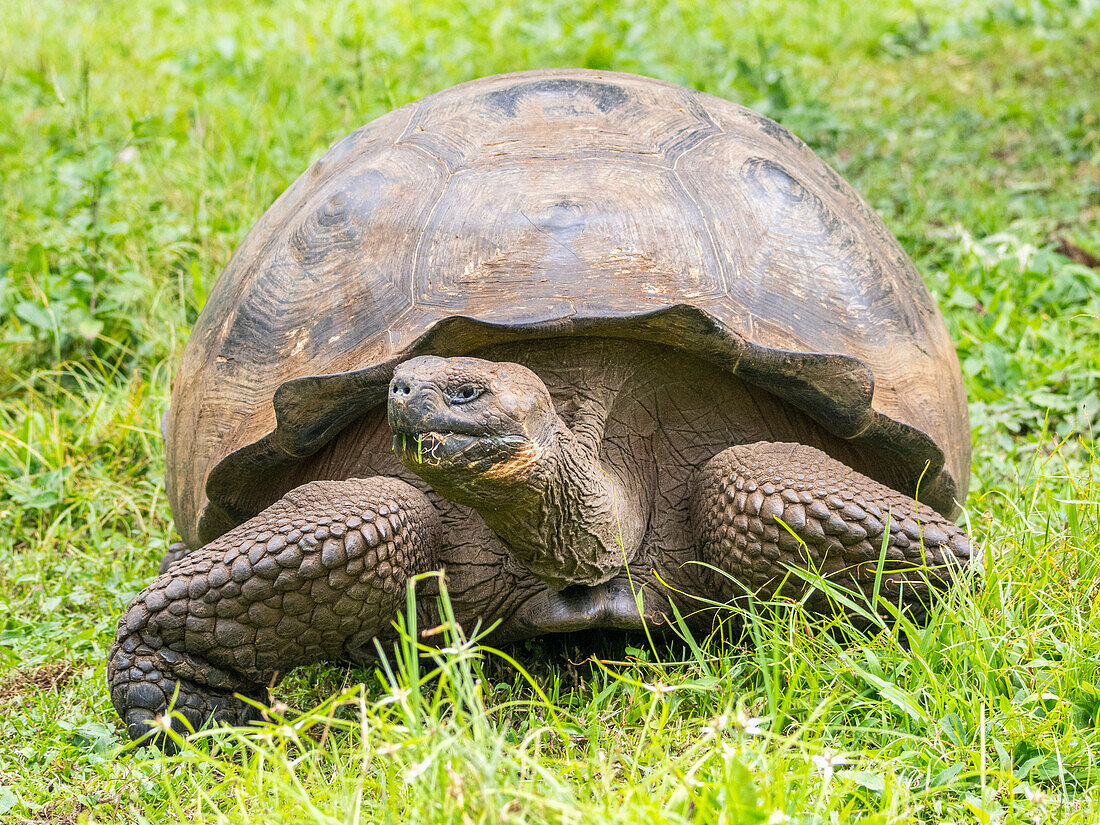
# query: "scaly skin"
[[315, 576], [176, 551], [741, 495], [319, 574]]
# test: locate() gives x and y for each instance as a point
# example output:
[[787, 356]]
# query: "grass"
[[139, 142]]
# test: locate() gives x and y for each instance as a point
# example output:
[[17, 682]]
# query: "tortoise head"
[[473, 429], [486, 434]]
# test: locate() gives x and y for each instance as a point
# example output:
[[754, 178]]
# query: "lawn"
[[139, 142]]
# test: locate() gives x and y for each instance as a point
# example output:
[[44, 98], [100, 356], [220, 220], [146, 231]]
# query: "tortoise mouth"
[[428, 447], [432, 448], [410, 431]]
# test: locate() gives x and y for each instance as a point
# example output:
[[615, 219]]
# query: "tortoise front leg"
[[313, 577], [836, 517]]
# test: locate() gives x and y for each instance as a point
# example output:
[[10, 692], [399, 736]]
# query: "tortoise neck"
[[573, 521]]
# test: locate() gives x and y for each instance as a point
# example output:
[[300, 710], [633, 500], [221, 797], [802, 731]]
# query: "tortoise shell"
[[560, 203]]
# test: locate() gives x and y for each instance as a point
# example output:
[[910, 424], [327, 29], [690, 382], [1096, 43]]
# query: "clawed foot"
[[146, 685]]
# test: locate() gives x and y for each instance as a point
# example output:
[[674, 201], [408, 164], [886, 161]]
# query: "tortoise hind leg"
[[313, 577], [176, 551], [836, 519]]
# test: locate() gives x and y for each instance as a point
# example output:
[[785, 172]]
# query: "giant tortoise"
[[592, 344]]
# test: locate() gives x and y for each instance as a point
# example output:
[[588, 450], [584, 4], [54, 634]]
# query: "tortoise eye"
[[465, 394]]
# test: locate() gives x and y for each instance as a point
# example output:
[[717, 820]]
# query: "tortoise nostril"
[[401, 387]]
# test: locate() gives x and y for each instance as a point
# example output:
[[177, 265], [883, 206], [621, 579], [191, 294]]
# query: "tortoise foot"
[[314, 577], [760, 510], [147, 684]]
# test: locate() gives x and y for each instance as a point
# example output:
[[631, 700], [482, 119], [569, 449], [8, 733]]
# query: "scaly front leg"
[[313, 577], [836, 519]]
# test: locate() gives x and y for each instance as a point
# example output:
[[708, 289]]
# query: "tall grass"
[[137, 145]]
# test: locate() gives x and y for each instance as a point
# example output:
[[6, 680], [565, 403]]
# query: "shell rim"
[[834, 389]]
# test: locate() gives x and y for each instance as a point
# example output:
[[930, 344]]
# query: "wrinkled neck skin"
[[561, 513], [579, 524]]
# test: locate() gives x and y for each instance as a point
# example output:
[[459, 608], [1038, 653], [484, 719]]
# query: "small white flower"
[[749, 724], [399, 695], [714, 726], [658, 689], [388, 749], [415, 771], [826, 761], [128, 154], [1035, 796], [777, 817]]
